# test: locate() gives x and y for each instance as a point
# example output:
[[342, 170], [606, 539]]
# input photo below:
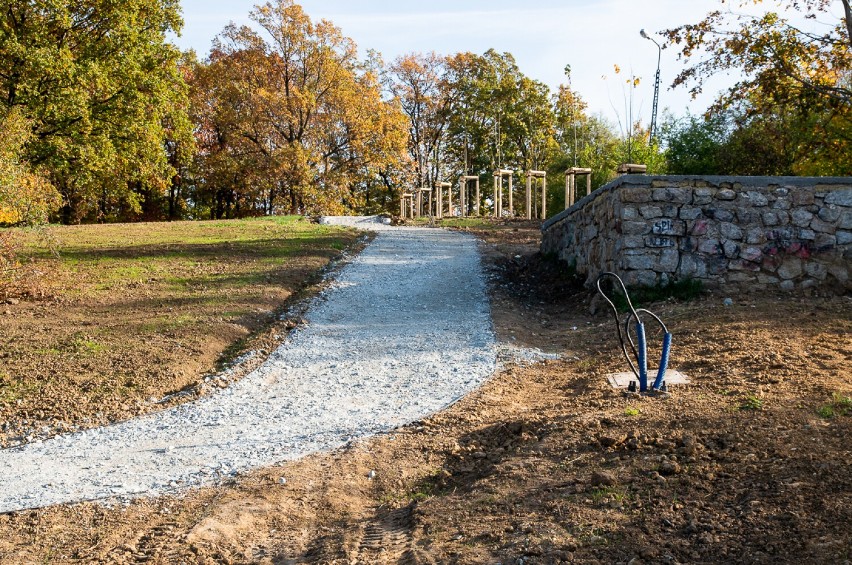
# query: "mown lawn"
[[122, 315]]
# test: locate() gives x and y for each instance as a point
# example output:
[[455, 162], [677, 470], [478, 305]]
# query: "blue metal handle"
[[664, 361], [642, 355]]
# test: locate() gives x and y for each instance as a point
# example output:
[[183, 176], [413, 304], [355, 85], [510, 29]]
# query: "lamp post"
[[653, 131], [573, 110]]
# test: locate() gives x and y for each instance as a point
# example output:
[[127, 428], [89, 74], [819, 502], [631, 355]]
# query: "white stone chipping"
[[403, 331]]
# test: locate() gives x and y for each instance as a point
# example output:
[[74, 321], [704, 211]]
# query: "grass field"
[[125, 314]]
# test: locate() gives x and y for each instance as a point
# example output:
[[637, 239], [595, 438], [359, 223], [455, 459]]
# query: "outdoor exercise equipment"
[[537, 175], [640, 347]]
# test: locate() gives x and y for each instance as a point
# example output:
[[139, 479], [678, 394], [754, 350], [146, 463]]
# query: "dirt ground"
[[751, 463]]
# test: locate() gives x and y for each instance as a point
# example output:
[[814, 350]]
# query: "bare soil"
[[545, 463]]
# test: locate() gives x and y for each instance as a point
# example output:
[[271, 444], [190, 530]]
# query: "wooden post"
[[529, 196], [419, 208], [511, 207], [462, 199], [476, 204], [496, 201], [571, 184], [573, 188], [544, 196]]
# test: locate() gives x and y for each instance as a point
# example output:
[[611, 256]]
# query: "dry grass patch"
[[130, 313]]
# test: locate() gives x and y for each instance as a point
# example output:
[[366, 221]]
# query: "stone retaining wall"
[[739, 233]]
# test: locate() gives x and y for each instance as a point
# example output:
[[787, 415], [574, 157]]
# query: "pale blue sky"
[[543, 35]]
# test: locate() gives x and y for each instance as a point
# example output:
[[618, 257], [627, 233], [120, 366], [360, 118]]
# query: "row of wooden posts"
[[412, 202]]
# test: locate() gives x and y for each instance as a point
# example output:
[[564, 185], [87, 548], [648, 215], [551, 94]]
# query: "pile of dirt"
[[546, 463]]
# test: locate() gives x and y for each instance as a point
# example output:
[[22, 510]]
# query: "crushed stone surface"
[[404, 331]]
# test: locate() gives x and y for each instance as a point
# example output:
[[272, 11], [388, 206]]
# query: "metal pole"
[[653, 131]]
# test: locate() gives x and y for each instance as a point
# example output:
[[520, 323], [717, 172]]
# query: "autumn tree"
[[791, 112], [289, 118], [418, 83], [26, 197], [99, 82], [779, 58]]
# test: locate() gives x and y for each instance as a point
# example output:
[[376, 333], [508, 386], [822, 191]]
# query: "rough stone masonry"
[[732, 233]]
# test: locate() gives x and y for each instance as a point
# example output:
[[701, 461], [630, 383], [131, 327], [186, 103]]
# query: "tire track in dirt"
[[388, 537]]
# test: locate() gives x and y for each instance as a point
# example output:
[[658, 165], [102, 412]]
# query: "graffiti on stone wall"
[[663, 226], [794, 241], [659, 241]]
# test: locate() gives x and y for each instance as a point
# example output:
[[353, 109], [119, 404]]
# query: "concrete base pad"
[[622, 380]]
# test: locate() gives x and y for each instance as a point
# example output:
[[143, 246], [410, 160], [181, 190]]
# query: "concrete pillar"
[[567, 191], [588, 183], [450, 200], [543, 197], [419, 207], [402, 206], [529, 196], [439, 204]]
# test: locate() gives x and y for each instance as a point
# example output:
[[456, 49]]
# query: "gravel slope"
[[404, 331]]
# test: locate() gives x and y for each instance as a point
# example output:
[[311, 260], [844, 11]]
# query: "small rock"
[[282, 480], [603, 478], [12, 301], [479, 455], [610, 441], [596, 304], [371, 475], [669, 468]]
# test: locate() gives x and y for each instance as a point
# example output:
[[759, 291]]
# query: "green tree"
[[498, 118], [102, 88], [693, 144]]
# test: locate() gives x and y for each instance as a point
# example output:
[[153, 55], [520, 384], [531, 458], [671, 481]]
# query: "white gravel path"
[[404, 331]]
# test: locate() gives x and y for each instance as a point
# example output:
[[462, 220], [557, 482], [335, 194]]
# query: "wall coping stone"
[[646, 180]]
